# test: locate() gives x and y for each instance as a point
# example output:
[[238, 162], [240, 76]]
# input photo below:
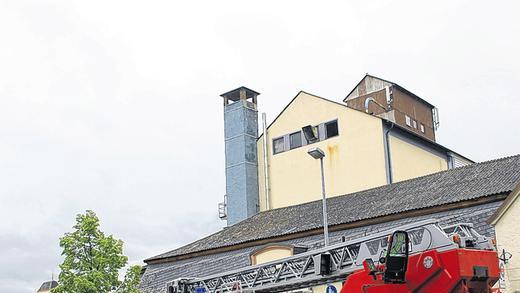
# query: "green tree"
[[131, 282], [93, 260]]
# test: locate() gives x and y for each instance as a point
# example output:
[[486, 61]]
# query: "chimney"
[[240, 134]]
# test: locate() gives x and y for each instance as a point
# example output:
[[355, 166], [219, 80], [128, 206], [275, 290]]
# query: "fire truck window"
[[416, 236], [398, 247]]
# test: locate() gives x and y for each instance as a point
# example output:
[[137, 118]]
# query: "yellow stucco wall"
[[410, 161], [508, 237], [354, 160], [270, 254]]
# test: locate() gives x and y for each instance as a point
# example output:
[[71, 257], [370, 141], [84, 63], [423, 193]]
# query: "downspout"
[[388, 95], [266, 173], [370, 99], [389, 175], [367, 101], [450, 160]]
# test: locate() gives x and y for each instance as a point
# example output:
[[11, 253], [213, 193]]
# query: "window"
[[414, 124], [295, 140], [307, 135], [266, 253], [311, 134], [408, 120], [278, 145], [331, 129], [422, 128]]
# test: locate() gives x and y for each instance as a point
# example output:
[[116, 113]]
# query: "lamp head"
[[316, 153]]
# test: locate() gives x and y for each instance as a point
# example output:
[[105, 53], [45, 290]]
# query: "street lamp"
[[317, 153]]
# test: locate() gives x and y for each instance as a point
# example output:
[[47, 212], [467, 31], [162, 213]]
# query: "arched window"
[[271, 252]]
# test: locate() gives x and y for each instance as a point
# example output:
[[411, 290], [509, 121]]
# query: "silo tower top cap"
[[241, 93]]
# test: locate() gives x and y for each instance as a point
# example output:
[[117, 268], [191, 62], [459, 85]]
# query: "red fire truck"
[[463, 269]]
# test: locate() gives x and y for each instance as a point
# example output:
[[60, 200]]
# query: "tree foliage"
[[92, 260], [131, 282]]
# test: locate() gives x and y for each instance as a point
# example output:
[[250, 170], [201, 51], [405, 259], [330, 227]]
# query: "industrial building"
[[380, 134], [382, 166]]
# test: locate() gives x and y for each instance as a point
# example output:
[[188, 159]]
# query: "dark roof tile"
[[451, 186]]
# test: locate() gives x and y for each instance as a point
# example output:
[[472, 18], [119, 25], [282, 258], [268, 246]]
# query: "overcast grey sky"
[[114, 105]]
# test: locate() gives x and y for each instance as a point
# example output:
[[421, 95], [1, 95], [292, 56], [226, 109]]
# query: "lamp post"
[[317, 153]]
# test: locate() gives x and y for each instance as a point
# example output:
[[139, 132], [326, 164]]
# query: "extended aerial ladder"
[[346, 259]]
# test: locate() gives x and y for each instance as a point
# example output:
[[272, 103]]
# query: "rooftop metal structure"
[[240, 134]]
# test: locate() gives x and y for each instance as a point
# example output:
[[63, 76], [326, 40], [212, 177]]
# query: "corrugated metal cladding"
[[459, 161], [241, 131]]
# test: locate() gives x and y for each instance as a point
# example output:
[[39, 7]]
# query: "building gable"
[[368, 84], [355, 148], [301, 105]]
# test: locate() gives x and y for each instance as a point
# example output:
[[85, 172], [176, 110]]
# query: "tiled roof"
[[456, 185]]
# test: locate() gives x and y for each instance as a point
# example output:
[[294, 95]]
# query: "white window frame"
[[301, 140], [326, 135], [283, 145], [408, 120], [316, 131], [320, 132], [422, 128]]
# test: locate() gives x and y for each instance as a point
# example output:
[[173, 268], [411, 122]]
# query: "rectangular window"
[[422, 128], [331, 129], [278, 145], [311, 134], [295, 140], [408, 120], [414, 124]]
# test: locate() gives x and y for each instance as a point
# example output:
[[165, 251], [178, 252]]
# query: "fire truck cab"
[[469, 268]]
